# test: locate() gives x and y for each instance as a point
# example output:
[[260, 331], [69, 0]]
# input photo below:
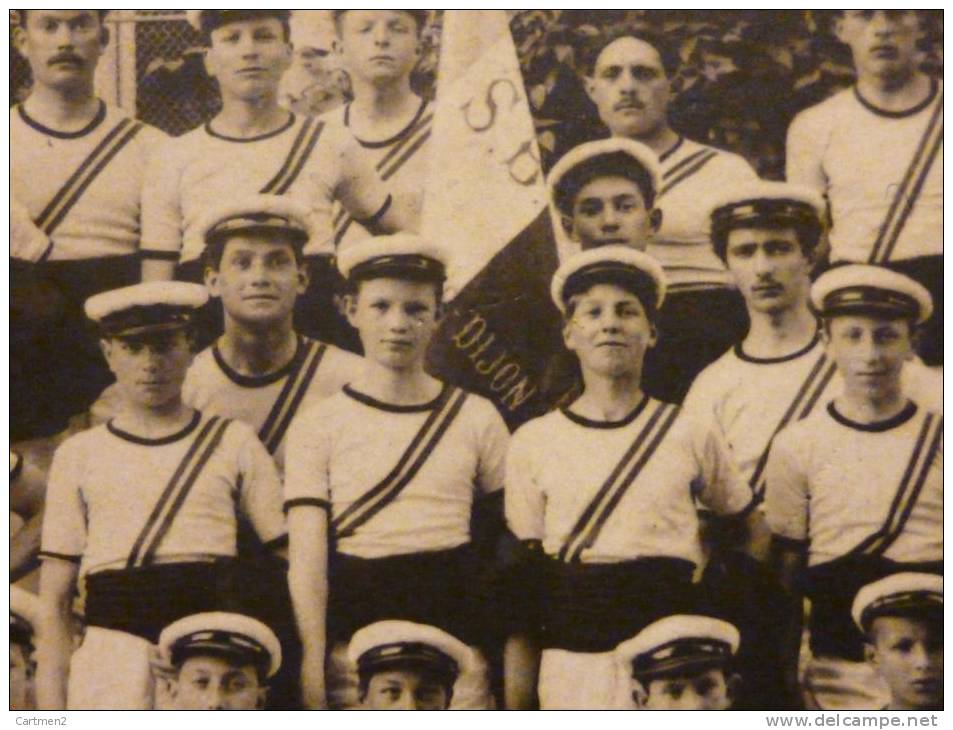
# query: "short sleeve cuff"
[[49, 554], [307, 502]]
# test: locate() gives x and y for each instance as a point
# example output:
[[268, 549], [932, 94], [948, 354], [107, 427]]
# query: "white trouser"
[[471, 691], [570, 680], [110, 671], [838, 684]]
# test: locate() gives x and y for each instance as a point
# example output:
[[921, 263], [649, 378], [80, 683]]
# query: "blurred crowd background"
[[743, 74]]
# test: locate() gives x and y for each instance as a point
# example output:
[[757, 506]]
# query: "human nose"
[[381, 35], [610, 218], [215, 699], [762, 262]]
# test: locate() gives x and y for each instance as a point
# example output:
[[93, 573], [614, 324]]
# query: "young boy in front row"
[[406, 666], [682, 662], [901, 617], [383, 478], [216, 661]]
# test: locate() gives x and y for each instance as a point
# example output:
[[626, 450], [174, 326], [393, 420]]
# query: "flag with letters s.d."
[[485, 205]]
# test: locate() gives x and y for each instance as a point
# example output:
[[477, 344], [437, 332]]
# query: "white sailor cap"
[[205, 21], [765, 201], [616, 156], [873, 290], [24, 612], [254, 214], [901, 594], [403, 644], [620, 265], [398, 256], [676, 644], [231, 635], [151, 306]]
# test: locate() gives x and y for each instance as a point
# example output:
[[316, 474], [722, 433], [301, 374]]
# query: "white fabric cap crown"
[[392, 643], [869, 289], [251, 213], [895, 595], [401, 255], [219, 632], [677, 642], [602, 263], [640, 154], [149, 306]]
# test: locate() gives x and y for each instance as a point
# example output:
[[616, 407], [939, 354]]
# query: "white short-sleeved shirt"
[[401, 161], [316, 371], [102, 217], [832, 482], [348, 443], [104, 484], [692, 175], [858, 155], [748, 397], [557, 464], [198, 170]]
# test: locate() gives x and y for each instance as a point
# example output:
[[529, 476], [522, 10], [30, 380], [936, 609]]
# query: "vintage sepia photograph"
[[379, 359]]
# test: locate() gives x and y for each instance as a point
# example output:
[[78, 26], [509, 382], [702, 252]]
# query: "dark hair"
[[212, 19], [21, 15], [595, 45], [609, 164], [215, 246], [353, 286], [808, 231], [420, 17], [639, 286]]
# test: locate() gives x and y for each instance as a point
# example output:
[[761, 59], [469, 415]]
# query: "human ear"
[[655, 219]]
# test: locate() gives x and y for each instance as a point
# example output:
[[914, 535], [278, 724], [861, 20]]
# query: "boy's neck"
[[607, 398], [386, 109], [250, 117], [862, 407], [154, 422], [779, 334], [895, 93], [259, 351], [64, 111], [399, 387]]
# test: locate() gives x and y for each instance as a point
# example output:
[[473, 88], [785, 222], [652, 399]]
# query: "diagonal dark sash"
[[909, 191], [911, 484], [697, 165], [413, 458], [296, 158], [599, 509], [175, 491], [286, 404], [803, 403], [77, 183], [388, 166]]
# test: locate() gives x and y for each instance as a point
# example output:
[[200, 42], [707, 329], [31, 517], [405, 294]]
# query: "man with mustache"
[[875, 151], [76, 172], [628, 77]]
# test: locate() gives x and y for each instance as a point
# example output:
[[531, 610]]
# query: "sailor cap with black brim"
[[865, 289], [261, 215], [619, 265], [679, 645], [616, 156], [395, 645], [766, 201], [205, 21], [233, 636], [152, 306], [24, 612], [398, 256], [901, 594]]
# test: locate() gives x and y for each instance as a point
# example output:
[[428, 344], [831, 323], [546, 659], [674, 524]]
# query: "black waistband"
[[594, 607], [831, 588], [143, 601], [429, 587]]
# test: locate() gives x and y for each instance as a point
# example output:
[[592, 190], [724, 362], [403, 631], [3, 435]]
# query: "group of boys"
[[620, 551]]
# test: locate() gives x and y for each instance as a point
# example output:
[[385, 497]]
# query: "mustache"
[[65, 58]]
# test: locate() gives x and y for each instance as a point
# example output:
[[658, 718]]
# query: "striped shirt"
[[82, 189], [692, 174]]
